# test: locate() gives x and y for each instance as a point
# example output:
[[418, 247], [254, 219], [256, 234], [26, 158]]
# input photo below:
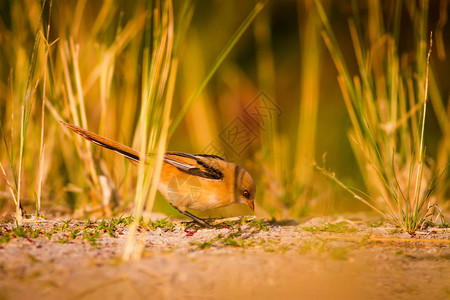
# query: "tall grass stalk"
[[27, 98], [42, 145], [443, 117], [25, 119], [287, 161], [383, 102], [69, 54], [273, 152], [159, 74], [220, 58], [309, 102]]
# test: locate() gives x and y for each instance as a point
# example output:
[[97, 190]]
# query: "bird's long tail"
[[126, 151]]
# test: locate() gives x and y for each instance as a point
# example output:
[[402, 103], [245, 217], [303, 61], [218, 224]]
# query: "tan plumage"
[[190, 181]]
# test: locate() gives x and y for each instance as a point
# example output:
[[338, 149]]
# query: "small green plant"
[[231, 223], [34, 233], [376, 223], [230, 240], [204, 245], [123, 220], [109, 227], [340, 227], [19, 231], [73, 234], [365, 239], [233, 242], [5, 237], [89, 224], [233, 239], [66, 224], [91, 236], [260, 224], [165, 224], [48, 234], [207, 244]]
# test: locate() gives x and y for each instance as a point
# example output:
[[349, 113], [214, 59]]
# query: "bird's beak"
[[251, 203]]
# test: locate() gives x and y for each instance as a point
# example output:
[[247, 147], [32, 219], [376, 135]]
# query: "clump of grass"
[[387, 104]]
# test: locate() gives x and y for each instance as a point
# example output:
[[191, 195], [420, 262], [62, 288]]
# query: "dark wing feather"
[[193, 164]]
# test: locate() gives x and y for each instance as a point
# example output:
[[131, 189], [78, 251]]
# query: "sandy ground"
[[318, 259]]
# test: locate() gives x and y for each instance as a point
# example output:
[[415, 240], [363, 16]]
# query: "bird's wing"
[[194, 165]]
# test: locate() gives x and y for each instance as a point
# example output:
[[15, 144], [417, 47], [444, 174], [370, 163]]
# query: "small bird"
[[196, 182]]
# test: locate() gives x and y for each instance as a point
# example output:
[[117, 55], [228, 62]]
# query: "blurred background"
[[274, 106]]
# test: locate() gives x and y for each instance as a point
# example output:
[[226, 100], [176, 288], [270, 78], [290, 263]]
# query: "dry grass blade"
[[10, 186]]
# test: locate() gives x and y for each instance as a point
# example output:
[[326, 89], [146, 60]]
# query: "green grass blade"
[[228, 47]]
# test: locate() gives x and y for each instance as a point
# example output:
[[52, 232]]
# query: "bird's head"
[[245, 188]]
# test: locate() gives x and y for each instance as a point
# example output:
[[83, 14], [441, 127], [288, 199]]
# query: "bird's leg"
[[196, 219], [182, 209]]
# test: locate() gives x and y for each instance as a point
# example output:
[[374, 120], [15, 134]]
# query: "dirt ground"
[[237, 259]]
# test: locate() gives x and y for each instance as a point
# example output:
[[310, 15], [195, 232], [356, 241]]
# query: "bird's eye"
[[246, 194]]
